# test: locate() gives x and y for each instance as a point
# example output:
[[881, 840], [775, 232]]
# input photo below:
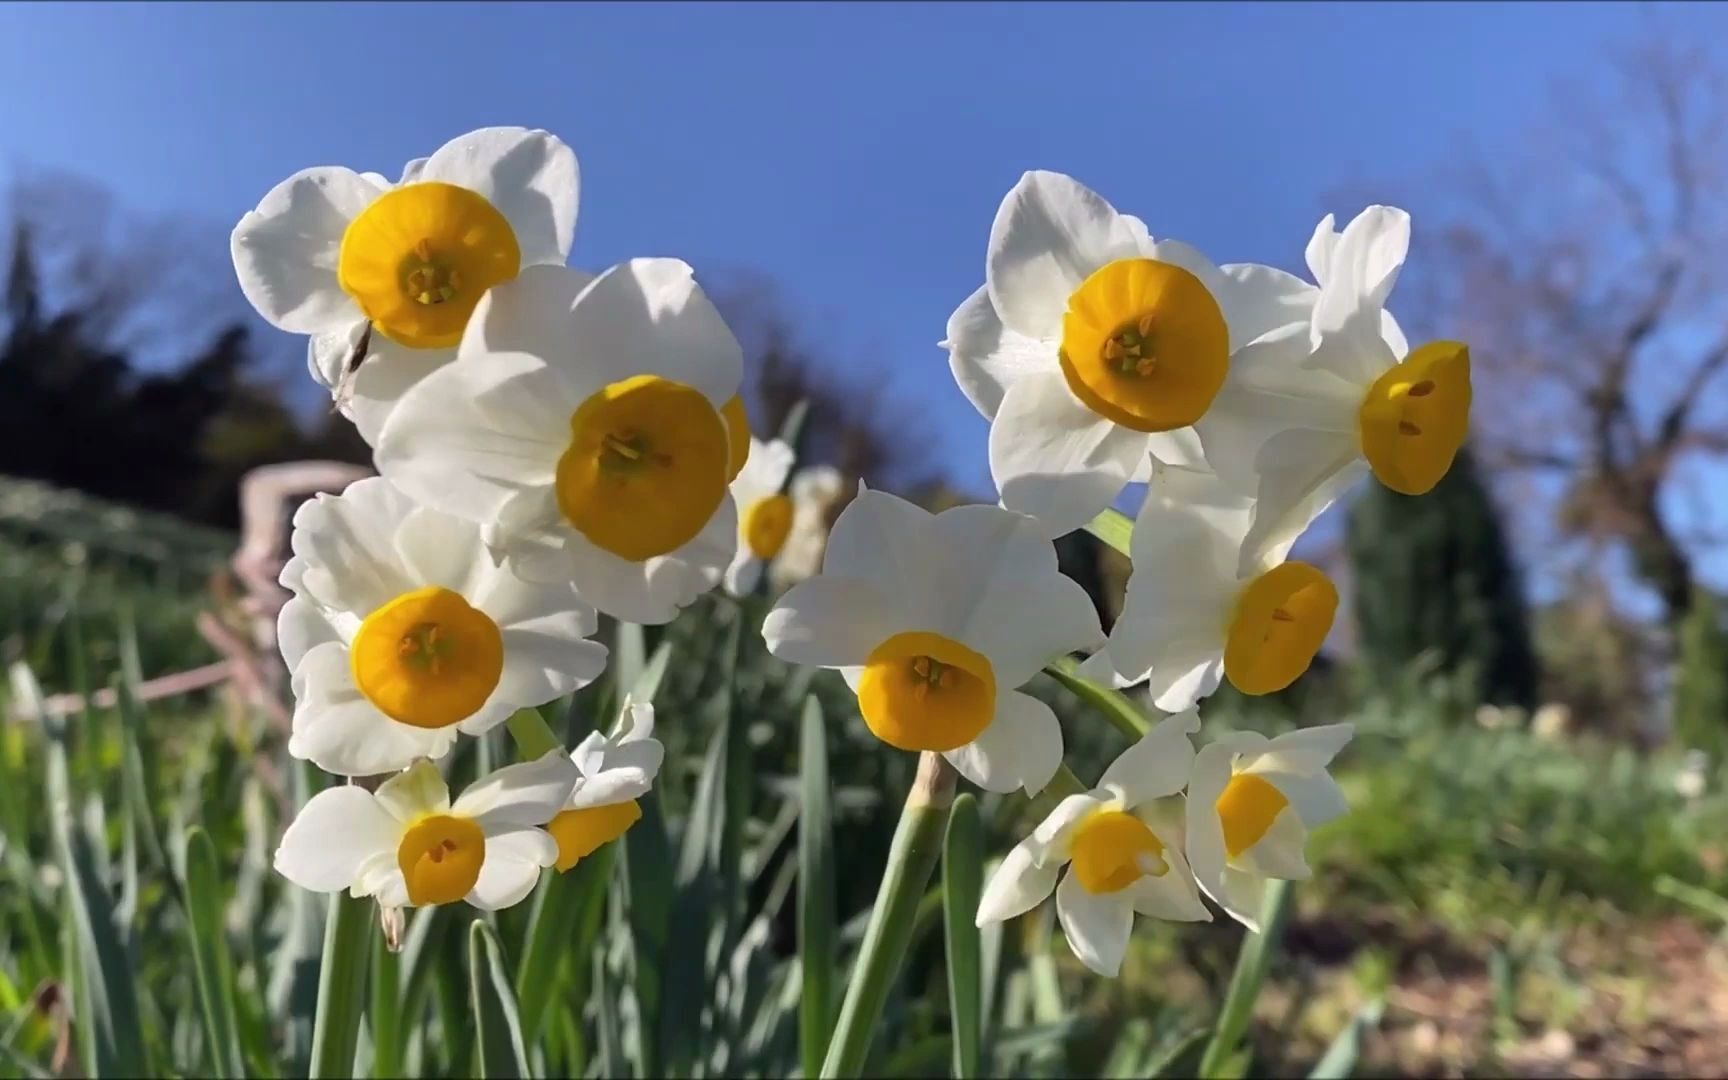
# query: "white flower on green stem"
[[1312, 407], [1122, 845], [408, 845], [1203, 604], [402, 633], [936, 620], [1089, 340], [614, 772], [814, 490], [1251, 804], [330, 252], [765, 513], [593, 427]]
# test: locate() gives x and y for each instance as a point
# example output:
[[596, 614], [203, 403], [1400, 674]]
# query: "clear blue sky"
[[854, 154]]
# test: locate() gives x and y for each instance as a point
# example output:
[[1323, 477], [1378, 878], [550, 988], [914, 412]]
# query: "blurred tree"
[[1584, 267], [1433, 575], [1599, 663], [1701, 677]]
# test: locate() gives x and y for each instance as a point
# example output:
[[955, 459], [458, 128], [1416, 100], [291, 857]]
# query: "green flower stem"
[[534, 739], [342, 985], [1114, 528], [1114, 704], [1252, 963], [911, 861]]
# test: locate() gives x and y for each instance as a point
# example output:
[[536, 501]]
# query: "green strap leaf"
[[211, 965], [342, 985], [1114, 528], [1339, 1061], [500, 1049], [1113, 704], [962, 886], [817, 933], [1252, 964]]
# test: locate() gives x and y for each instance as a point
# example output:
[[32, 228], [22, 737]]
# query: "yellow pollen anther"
[[1415, 416], [923, 691], [1280, 620], [1144, 344], [1111, 850]]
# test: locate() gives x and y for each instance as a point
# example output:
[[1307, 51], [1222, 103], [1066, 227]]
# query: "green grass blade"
[[552, 932], [501, 1051], [1252, 964], [911, 860], [384, 1013], [100, 971], [1340, 1058], [342, 985], [962, 886], [1113, 704], [1176, 1058], [211, 966], [817, 933]]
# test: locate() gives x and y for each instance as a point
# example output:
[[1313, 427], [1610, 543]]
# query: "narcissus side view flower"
[[384, 277], [615, 771], [1089, 339], [765, 513], [1202, 604], [815, 490], [593, 428], [1122, 845], [402, 633], [1251, 804], [936, 620], [1310, 407], [408, 845]]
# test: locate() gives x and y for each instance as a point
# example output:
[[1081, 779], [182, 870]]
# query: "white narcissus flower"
[[1309, 408], [615, 771], [401, 633], [936, 620], [409, 846], [1089, 340], [814, 490], [764, 513], [593, 428], [387, 276], [1251, 804], [1122, 844], [1202, 604]]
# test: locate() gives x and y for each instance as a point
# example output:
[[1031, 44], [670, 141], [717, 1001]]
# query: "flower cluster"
[[1246, 400], [554, 445]]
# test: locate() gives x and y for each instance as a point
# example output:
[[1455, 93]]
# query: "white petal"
[[333, 834], [1318, 254], [530, 176], [1305, 750], [1050, 233], [286, 251], [346, 546], [1097, 927], [1203, 839], [329, 354], [338, 730], [1171, 895], [649, 317], [546, 659], [1259, 299], [744, 573], [987, 357], [414, 792], [1279, 852], [1050, 838], [1364, 266], [475, 434], [830, 621], [1301, 474], [1316, 798], [1017, 608], [1242, 895], [387, 372], [764, 472], [1021, 747], [511, 867], [1019, 884], [441, 549], [527, 793], [300, 628], [1056, 460], [1157, 765]]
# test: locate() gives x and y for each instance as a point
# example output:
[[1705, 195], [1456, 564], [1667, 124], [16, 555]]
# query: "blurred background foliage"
[[1532, 879]]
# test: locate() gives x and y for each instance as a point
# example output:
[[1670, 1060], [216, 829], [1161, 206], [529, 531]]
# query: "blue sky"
[[854, 154]]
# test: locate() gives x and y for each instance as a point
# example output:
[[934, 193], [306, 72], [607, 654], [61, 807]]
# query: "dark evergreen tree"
[[1434, 574], [1701, 677]]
